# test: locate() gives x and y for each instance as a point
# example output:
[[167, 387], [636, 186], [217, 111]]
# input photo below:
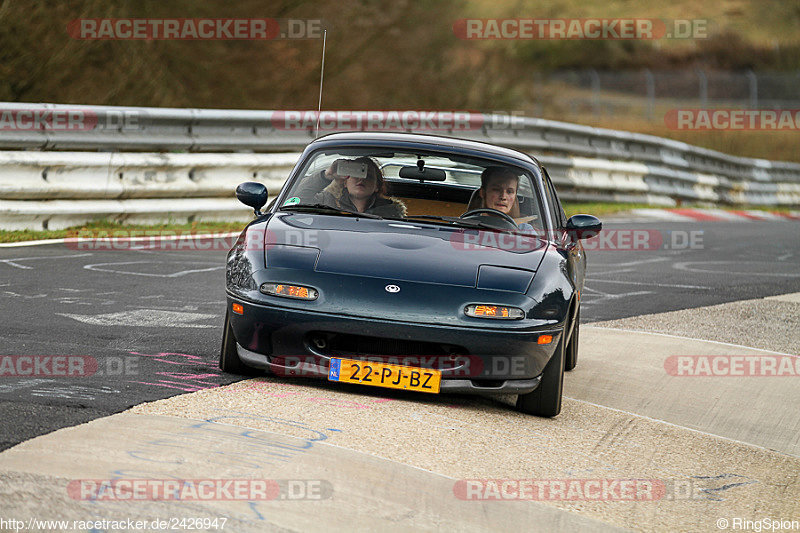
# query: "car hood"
[[404, 251]]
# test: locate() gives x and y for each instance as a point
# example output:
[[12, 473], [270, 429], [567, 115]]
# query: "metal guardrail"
[[53, 190], [586, 163]]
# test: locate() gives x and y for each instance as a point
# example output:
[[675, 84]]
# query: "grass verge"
[[111, 227]]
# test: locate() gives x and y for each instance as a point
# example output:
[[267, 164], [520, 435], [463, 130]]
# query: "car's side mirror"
[[583, 226], [252, 194]]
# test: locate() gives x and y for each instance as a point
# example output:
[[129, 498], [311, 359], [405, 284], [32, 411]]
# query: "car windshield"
[[428, 187]]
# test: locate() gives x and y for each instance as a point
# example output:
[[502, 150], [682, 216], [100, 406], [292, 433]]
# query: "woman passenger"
[[365, 194]]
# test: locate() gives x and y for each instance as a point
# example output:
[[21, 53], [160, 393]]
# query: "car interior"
[[450, 190]]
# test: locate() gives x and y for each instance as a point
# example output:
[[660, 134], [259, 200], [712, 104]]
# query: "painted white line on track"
[[593, 296], [622, 295], [13, 262], [95, 267], [155, 238], [648, 284], [620, 268], [31, 243], [640, 262], [684, 265]]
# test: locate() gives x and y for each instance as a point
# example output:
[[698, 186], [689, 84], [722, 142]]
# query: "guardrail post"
[[751, 76], [651, 92], [701, 76], [595, 77]]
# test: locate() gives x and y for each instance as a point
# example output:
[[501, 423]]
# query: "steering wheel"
[[493, 212]]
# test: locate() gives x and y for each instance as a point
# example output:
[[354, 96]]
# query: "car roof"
[[423, 141]]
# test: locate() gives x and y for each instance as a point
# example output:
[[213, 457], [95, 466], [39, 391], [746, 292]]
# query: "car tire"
[[546, 399], [571, 354], [229, 360]]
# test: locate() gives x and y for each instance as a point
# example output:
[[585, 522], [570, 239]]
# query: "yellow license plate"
[[385, 375]]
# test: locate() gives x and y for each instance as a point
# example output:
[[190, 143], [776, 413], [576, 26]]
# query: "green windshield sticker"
[[291, 201]]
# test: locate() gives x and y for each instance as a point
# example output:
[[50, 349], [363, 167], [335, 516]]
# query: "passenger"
[[499, 191], [364, 195]]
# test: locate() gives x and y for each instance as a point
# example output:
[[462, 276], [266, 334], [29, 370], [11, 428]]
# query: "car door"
[[570, 247]]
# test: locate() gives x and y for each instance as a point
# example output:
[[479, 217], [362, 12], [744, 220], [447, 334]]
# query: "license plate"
[[385, 375]]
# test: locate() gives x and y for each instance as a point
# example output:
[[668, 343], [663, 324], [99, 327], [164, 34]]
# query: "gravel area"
[[768, 323]]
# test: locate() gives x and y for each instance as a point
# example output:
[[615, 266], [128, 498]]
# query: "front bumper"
[[469, 386], [486, 360]]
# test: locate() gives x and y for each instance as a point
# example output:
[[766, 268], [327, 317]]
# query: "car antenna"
[[321, 77]]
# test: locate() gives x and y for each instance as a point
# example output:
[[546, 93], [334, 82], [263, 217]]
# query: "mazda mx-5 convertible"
[[412, 262]]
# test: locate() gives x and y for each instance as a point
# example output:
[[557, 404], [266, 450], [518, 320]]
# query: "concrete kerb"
[[627, 440], [379, 493]]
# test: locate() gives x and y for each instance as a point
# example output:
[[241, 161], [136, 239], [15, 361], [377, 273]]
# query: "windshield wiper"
[[458, 221], [327, 209], [432, 217]]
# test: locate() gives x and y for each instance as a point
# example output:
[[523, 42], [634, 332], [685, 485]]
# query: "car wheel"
[[228, 356], [546, 399], [571, 355]]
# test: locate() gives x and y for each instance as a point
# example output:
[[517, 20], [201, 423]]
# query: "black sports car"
[[414, 262]]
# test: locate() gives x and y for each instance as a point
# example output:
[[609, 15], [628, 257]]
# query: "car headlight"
[[239, 273]]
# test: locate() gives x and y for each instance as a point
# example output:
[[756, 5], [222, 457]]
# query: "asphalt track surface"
[[152, 319]]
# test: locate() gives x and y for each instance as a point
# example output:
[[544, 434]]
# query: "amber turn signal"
[[493, 311], [297, 292]]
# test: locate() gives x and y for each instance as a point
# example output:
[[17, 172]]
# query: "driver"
[[499, 191], [362, 194]]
